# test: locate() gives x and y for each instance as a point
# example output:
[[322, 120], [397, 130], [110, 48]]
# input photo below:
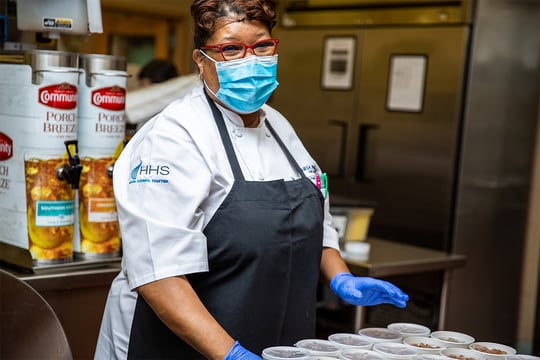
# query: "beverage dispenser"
[[101, 133], [39, 167]]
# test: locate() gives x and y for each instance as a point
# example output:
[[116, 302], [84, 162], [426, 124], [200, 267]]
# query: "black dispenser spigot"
[[110, 170], [72, 172]]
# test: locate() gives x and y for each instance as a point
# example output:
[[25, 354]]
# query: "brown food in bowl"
[[426, 346], [487, 350], [450, 339], [461, 357]]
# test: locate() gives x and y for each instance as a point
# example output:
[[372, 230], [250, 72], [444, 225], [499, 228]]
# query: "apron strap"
[[229, 149], [291, 159], [227, 143]]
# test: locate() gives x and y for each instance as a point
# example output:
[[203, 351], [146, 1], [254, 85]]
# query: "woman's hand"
[[175, 302], [238, 352], [367, 291]]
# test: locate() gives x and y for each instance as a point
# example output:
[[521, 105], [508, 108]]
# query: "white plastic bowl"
[[360, 354], [410, 329], [285, 353], [428, 357], [318, 347], [453, 339], [380, 334], [522, 357], [346, 340], [460, 353], [425, 344], [392, 350], [493, 351]]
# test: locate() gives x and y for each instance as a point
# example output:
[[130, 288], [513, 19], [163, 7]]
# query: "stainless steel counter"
[[388, 258], [77, 293]]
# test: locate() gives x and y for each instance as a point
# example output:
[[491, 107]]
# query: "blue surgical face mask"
[[245, 84]]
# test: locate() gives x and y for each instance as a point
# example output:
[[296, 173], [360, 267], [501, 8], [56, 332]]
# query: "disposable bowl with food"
[[424, 356], [347, 340], [318, 347], [380, 334], [425, 344], [461, 354], [360, 354], [285, 353], [453, 339], [396, 351], [522, 357], [491, 350], [409, 329]]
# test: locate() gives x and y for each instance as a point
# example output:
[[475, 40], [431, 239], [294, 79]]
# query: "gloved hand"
[[367, 291], [238, 352]]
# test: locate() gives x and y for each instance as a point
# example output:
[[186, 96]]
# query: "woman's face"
[[247, 32]]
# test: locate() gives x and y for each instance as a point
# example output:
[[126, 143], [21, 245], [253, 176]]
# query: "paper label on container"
[[54, 213], [102, 210]]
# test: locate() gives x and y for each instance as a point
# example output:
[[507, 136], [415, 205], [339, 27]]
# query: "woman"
[[225, 231]]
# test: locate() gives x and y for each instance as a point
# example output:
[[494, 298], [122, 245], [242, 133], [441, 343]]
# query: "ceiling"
[[165, 8]]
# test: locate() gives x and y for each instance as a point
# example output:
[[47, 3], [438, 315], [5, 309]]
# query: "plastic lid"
[[410, 329], [391, 349], [349, 340], [360, 354], [380, 334], [319, 347], [285, 352]]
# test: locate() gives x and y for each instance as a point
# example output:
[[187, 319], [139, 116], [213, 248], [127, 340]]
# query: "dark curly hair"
[[207, 12]]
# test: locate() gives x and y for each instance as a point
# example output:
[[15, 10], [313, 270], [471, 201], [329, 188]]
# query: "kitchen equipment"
[[101, 132], [412, 105], [39, 166]]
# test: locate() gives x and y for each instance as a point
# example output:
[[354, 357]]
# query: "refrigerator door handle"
[[362, 152], [344, 125]]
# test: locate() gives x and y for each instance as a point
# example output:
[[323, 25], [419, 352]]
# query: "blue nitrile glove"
[[367, 291], [238, 352]]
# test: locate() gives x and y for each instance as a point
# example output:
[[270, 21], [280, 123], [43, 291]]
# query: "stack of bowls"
[[398, 341], [319, 348]]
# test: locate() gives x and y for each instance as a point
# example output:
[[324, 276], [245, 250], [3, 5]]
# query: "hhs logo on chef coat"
[[149, 173]]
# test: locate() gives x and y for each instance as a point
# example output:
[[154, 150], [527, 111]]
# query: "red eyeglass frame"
[[246, 47]]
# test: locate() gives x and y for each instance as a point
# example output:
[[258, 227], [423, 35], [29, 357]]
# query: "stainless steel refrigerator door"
[[407, 128], [321, 118], [401, 160]]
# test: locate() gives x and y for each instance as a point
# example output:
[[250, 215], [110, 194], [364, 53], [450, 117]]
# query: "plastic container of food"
[[453, 339], [285, 353], [410, 329], [396, 351], [522, 357], [346, 341], [421, 356], [425, 344], [461, 354], [318, 347], [380, 334], [493, 351], [360, 354]]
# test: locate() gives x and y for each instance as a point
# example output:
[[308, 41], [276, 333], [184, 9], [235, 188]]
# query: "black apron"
[[264, 252]]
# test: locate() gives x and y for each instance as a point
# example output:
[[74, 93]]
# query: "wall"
[[531, 266]]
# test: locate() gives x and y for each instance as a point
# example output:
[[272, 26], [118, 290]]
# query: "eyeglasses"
[[236, 50]]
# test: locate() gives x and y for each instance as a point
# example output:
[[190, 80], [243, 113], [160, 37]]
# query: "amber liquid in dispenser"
[[98, 226], [49, 206]]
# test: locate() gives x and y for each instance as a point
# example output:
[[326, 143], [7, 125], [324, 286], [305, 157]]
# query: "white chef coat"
[[168, 183]]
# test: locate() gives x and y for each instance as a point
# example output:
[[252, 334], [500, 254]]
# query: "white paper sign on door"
[[406, 83]]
